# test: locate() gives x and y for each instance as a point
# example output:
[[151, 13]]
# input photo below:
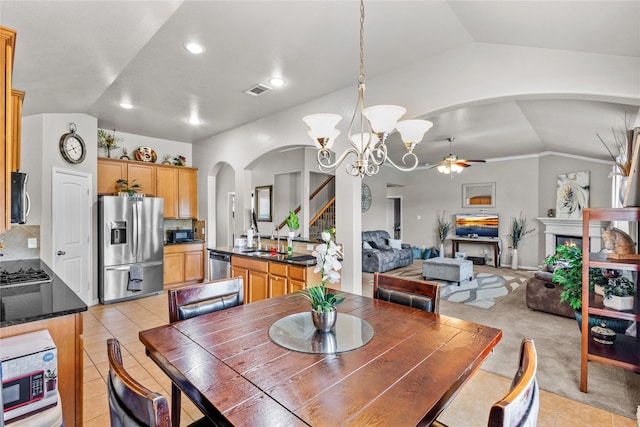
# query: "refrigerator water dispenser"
[[118, 232]]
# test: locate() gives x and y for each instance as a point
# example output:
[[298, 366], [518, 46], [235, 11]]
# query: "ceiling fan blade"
[[464, 165], [472, 161]]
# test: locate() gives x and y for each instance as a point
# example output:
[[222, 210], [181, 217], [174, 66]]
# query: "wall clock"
[[72, 146], [366, 197]]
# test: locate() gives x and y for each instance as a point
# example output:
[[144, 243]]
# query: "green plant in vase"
[[293, 224], [130, 189]]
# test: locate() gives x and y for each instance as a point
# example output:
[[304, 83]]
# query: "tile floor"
[[124, 320]]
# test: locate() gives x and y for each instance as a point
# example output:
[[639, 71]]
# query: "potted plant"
[[108, 141], [293, 225], [520, 227], [568, 274], [619, 294], [130, 190], [50, 379], [443, 227], [323, 301]]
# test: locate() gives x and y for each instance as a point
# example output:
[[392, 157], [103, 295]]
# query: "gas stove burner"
[[24, 277]]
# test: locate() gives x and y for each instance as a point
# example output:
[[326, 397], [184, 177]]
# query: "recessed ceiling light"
[[194, 47], [276, 82], [126, 105], [194, 121]]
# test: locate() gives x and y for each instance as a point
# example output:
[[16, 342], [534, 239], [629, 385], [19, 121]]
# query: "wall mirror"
[[263, 203], [479, 195]]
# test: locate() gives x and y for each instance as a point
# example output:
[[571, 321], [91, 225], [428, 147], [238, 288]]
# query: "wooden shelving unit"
[[625, 352]]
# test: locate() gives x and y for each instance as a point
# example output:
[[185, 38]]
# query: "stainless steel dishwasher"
[[219, 265]]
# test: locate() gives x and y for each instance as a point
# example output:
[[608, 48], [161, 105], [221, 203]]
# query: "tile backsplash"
[[14, 242]]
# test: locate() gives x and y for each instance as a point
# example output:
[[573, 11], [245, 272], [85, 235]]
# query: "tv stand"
[[495, 243]]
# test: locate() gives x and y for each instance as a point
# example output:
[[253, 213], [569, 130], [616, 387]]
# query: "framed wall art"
[[263, 203]]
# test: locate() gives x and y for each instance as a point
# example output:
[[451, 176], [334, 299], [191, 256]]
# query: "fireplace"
[[568, 241], [565, 228]]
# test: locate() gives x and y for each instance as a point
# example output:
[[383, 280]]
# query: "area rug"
[[483, 291]]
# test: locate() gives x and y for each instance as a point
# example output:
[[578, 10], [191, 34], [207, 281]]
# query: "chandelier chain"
[[361, 77]]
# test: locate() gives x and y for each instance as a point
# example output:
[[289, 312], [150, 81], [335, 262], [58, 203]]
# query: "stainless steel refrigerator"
[[131, 247]]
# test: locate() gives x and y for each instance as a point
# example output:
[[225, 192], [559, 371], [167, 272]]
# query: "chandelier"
[[368, 143]]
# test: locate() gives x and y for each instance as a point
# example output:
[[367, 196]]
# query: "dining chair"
[[410, 292], [131, 403], [521, 405], [195, 300]]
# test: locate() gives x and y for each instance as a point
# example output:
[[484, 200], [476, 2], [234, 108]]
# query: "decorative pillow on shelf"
[[366, 245], [373, 244], [395, 244]]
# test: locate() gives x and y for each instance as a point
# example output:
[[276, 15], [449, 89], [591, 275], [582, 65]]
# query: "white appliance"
[[29, 374], [131, 247]]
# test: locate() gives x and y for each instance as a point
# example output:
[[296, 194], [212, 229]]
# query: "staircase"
[[325, 218]]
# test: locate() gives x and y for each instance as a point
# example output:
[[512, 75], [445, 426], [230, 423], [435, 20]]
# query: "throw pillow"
[[395, 244], [366, 245], [426, 254], [373, 244]]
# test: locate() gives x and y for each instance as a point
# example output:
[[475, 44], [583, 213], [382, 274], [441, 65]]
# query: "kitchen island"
[[51, 305], [267, 275]]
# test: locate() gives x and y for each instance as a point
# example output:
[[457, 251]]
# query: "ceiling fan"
[[451, 163]]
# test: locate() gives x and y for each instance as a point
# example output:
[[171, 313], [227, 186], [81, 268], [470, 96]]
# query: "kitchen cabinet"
[[143, 174], [167, 188], [268, 279], [278, 279], [7, 46], [177, 185], [66, 332], [17, 99], [187, 193], [109, 172], [625, 351], [183, 263]]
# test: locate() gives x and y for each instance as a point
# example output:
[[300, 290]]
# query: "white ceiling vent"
[[257, 90]]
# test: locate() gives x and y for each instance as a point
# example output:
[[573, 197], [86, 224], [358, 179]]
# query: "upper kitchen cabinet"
[[7, 46], [17, 100], [177, 185], [187, 193], [109, 172]]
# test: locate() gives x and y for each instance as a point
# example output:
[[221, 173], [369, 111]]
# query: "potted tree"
[[520, 227], [443, 227], [568, 274]]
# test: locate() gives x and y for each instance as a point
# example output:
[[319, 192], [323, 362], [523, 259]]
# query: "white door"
[[71, 230]]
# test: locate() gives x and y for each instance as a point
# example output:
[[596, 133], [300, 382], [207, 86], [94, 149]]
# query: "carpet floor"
[[557, 341]]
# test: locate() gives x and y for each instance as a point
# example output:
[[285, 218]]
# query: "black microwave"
[[179, 236]]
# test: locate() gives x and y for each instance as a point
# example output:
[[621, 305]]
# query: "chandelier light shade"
[[372, 126]]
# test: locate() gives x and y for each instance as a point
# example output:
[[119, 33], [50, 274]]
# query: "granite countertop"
[[28, 303], [296, 258], [183, 243]]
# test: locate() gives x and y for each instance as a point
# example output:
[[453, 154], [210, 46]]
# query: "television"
[[476, 224]]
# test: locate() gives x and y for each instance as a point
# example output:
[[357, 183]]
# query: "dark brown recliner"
[[544, 295]]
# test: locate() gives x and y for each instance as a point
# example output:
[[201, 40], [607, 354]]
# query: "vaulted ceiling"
[[87, 56]]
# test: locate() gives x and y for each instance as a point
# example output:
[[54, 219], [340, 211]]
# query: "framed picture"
[[263, 203], [479, 195], [632, 192], [572, 194]]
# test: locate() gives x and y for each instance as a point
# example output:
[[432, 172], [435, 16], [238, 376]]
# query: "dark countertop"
[[183, 243], [28, 303], [296, 257]]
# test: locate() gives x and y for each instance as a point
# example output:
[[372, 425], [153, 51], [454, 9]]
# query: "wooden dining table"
[[406, 375]]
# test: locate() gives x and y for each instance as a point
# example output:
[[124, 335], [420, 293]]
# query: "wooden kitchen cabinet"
[[278, 281], [187, 193], [17, 99], [7, 46], [167, 188], [255, 274], [66, 332], [109, 172], [143, 174], [183, 263]]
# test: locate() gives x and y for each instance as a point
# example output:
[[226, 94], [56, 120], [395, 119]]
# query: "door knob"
[[62, 253]]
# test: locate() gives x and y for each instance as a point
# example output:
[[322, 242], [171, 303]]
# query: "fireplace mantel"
[[569, 227]]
